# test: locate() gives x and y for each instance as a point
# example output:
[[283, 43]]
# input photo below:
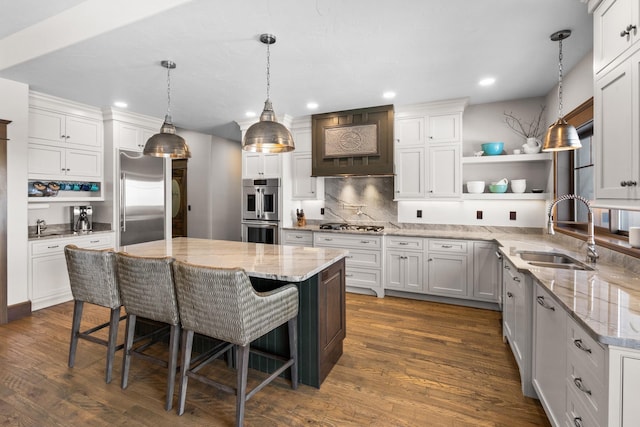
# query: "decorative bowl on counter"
[[497, 188], [475, 187], [492, 148]]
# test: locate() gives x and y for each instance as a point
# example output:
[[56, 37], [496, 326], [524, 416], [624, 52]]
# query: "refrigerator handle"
[[123, 212]]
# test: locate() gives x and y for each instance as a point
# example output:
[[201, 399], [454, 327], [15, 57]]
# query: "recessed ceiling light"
[[487, 81], [120, 104], [250, 114], [312, 105], [389, 95]]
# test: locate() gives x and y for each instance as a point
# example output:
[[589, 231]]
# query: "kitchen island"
[[317, 272]]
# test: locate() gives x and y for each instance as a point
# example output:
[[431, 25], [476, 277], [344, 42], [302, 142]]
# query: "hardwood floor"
[[405, 363]]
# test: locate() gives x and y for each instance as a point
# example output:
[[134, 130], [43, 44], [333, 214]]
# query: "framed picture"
[[351, 141]]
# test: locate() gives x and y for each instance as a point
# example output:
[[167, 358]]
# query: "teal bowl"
[[498, 188], [492, 148]]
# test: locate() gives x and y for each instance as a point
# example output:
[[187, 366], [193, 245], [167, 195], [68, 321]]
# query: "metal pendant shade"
[[560, 136], [167, 143], [267, 135]]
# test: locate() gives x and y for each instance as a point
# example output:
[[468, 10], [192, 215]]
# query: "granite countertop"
[[605, 301], [284, 263], [47, 235]]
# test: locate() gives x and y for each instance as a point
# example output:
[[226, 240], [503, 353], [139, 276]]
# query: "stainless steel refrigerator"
[[142, 198]]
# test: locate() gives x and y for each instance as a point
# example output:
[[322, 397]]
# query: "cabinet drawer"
[[303, 238], [588, 387], [577, 413], [338, 240], [408, 243], [458, 246], [368, 278], [364, 258], [53, 246], [95, 241], [585, 349], [49, 247]]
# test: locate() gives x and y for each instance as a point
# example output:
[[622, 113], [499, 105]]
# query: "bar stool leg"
[[174, 345], [187, 346], [111, 343], [241, 391], [128, 344], [75, 331], [292, 325]]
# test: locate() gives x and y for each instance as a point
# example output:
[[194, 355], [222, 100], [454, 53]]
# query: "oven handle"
[[259, 203]]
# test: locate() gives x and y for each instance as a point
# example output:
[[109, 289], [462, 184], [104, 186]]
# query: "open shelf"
[[504, 158], [505, 196]]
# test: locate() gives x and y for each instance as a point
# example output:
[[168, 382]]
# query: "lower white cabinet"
[[48, 277], [624, 387], [297, 237], [404, 263], [447, 266], [549, 354], [486, 272], [364, 261]]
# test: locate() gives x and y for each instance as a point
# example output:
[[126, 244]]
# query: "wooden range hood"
[[353, 142]]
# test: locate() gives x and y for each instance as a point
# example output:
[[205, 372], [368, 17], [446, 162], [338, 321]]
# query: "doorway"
[[179, 198]]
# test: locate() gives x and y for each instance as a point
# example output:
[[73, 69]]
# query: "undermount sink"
[[552, 260]]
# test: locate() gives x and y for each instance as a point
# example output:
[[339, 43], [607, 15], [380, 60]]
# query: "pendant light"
[[167, 143], [267, 135], [561, 136]]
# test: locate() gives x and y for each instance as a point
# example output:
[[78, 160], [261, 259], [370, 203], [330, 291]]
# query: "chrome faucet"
[[41, 225], [592, 254]]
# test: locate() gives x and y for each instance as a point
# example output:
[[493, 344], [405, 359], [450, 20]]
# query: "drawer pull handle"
[[403, 243], [327, 240], [53, 246], [348, 275], [543, 303], [509, 294], [298, 237], [364, 242], [94, 241], [577, 421], [506, 267], [517, 279], [578, 343], [498, 255], [446, 246], [578, 382], [349, 256]]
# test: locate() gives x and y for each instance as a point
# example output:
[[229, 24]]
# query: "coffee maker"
[[81, 221]]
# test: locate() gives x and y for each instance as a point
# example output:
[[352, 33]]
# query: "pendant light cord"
[[268, 70], [560, 80], [169, 91]]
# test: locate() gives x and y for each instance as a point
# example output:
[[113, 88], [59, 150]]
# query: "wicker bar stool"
[[147, 291], [92, 277], [222, 304]]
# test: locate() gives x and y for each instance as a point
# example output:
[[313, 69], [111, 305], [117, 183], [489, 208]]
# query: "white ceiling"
[[341, 54]]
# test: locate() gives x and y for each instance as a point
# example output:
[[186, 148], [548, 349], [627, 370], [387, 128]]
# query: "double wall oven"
[[260, 210]]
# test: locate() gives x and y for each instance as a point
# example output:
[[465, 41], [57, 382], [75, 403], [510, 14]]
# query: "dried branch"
[[531, 129]]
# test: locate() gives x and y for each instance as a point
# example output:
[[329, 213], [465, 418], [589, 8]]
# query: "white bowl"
[[518, 185], [475, 187]]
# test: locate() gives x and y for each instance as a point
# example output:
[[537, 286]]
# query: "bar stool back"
[[92, 277], [147, 291], [222, 304]]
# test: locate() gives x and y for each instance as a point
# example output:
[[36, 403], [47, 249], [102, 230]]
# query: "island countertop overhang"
[[276, 262]]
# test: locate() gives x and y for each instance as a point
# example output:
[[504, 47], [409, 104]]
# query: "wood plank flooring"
[[405, 363]]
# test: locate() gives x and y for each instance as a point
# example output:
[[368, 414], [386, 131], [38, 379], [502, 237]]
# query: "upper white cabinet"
[[616, 25], [132, 137], [48, 127], [304, 186], [617, 103], [427, 156], [261, 165]]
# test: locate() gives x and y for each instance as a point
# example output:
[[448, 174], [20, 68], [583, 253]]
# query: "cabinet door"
[[46, 161], [444, 128], [447, 274], [82, 164], [410, 173], [522, 321], [46, 127], [251, 165], [444, 171], [630, 391], [509, 312], [549, 358], [303, 184], [616, 131], [85, 132], [410, 131], [272, 165], [610, 19], [130, 137], [413, 264], [485, 271], [394, 270], [50, 280]]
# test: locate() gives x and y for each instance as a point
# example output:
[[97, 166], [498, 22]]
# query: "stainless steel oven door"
[[260, 199], [261, 232]]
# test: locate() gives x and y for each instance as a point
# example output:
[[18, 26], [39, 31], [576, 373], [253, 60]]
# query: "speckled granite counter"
[[605, 301], [275, 262]]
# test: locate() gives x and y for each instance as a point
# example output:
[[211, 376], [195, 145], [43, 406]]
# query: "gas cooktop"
[[350, 227]]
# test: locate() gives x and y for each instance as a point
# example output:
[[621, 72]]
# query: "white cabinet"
[[404, 264], [444, 128], [443, 171], [624, 387], [616, 127], [486, 272], [410, 131], [364, 262], [48, 280], [517, 320], [49, 127], [261, 165], [447, 267], [549, 345], [410, 180], [132, 137], [305, 186], [59, 163], [297, 237], [616, 25]]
